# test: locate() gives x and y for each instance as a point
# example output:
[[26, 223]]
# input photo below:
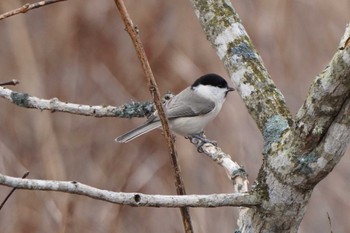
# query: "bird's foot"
[[199, 140]]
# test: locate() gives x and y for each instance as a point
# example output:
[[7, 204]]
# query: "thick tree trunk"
[[299, 152]]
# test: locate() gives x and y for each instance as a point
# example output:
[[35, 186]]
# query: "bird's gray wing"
[[188, 105]]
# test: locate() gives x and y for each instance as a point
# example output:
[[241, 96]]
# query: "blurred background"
[[79, 52]]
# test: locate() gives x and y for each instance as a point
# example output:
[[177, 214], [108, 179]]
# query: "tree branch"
[[299, 158], [153, 88], [12, 191], [134, 199], [327, 94], [226, 33], [129, 110], [12, 82], [27, 7], [305, 155], [331, 148], [235, 172], [322, 129]]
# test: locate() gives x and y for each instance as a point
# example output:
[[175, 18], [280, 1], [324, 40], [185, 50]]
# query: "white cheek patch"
[[211, 93]]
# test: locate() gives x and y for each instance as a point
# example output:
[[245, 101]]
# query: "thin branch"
[[12, 82], [129, 110], [134, 35], [27, 7], [12, 191], [134, 199]]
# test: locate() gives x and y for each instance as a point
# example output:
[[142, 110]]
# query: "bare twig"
[[129, 110], [133, 32], [12, 82], [27, 7], [12, 191], [134, 199], [330, 222]]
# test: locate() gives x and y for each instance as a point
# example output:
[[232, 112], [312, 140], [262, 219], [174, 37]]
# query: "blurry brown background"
[[78, 52]]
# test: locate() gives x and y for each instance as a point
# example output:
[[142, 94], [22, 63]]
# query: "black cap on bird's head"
[[212, 80]]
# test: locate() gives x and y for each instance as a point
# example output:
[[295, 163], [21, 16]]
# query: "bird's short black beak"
[[230, 89]]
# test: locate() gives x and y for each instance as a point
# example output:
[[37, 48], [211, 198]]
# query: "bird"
[[189, 111]]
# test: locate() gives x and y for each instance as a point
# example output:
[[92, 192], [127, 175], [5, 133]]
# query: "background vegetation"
[[79, 52]]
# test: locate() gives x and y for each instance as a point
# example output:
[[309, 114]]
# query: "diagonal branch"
[[321, 131], [325, 99], [235, 172], [331, 148], [226, 33], [27, 7], [12, 191], [304, 155], [134, 199], [135, 38], [322, 125]]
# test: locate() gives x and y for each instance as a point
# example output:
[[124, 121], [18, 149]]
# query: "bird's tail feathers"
[[137, 132]]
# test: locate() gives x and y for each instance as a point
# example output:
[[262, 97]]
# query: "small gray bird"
[[189, 111]]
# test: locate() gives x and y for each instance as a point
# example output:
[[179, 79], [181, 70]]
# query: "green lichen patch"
[[273, 130], [20, 99], [304, 162], [135, 109]]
